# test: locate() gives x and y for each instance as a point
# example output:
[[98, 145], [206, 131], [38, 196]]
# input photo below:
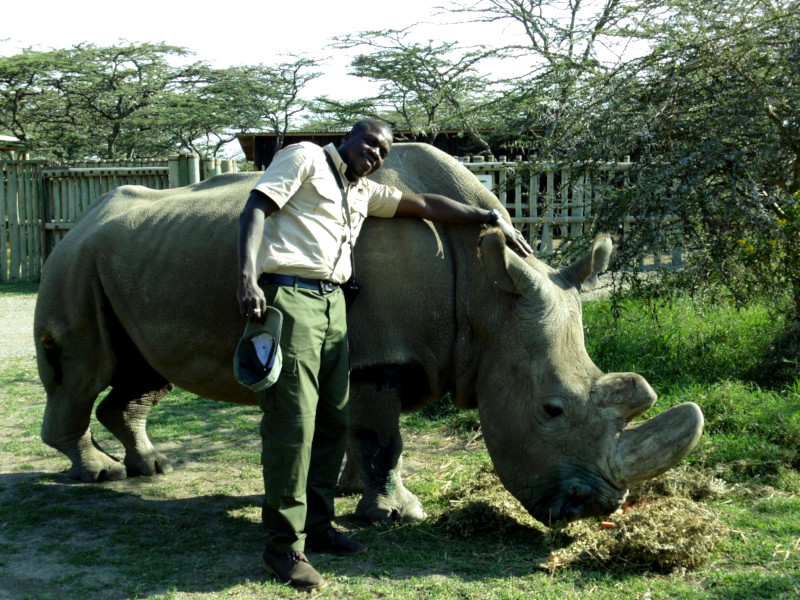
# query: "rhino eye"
[[552, 409]]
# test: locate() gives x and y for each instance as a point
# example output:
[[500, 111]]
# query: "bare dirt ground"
[[16, 326]]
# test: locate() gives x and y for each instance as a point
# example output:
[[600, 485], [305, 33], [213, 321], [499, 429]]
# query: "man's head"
[[365, 148]]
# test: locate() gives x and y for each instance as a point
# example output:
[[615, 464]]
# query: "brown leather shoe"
[[332, 541], [294, 569]]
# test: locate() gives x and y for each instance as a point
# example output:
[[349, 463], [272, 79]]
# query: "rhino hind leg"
[[136, 389], [71, 393], [67, 430], [374, 461]]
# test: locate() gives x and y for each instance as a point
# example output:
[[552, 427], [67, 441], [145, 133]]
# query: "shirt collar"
[[342, 167]]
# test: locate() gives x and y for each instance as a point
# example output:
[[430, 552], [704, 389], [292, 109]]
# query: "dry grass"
[[662, 527]]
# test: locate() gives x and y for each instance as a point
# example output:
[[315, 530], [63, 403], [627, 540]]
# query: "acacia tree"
[[263, 96], [564, 43], [89, 100], [131, 100], [27, 100], [117, 90], [712, 115], [423, 87]]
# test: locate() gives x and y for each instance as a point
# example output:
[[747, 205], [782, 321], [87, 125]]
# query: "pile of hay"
[[683, 482], [660, 535], [480, 505], [662, 527]]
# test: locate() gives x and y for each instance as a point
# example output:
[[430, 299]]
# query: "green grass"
[[18, 289], [676, 343], [195, 533], [723, 359]]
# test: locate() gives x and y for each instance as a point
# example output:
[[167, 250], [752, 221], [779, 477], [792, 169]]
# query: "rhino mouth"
[[578, 497]]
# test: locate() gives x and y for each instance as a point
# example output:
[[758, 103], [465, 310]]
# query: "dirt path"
[[16, 326]]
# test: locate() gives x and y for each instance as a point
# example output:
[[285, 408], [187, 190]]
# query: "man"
[[295, 244]]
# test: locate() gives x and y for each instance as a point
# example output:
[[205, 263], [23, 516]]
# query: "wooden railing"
[[552, 204], [40, 201]]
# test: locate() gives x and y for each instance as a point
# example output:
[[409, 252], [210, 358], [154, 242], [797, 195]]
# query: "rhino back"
[[161, 264], [420, 168]]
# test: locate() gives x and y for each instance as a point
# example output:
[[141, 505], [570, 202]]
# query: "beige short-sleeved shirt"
[[309, 236]]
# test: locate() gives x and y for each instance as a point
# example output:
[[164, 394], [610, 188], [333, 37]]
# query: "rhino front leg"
[[124, 413], [375, 452]]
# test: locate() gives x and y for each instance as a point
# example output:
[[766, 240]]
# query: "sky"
[[236, 32]]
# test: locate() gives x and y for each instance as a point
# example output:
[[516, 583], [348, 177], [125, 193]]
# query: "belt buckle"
[[326, 287]]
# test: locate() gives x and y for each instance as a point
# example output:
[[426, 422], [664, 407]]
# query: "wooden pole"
[[30, 233], [193, 169], [13, 224], [38, 223], [174, 171], [3, 233]]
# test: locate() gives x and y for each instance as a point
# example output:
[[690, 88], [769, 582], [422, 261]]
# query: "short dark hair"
[[369, 123]]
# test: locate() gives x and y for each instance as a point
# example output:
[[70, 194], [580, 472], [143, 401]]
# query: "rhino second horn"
[[622, 395], [647, 449]]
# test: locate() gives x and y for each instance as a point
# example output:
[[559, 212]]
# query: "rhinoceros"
[[140, 296]]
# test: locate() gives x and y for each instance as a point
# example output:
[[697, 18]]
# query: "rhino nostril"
[[571, 509]]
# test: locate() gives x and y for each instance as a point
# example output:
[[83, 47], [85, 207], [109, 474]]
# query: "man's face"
[[364, 151]]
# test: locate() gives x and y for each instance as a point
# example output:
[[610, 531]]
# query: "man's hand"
[[252, 302], [514, 238]]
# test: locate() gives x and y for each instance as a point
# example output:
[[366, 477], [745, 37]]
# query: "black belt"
[[323, 286]]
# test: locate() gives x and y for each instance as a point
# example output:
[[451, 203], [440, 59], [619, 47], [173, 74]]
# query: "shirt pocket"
[[330, 197], [359, 208]]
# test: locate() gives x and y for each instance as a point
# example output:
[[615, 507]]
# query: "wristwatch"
[[494, 216]]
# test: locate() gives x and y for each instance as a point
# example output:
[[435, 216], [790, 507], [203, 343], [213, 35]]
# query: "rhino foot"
[[150, 463], [401, 506], [98, 468]]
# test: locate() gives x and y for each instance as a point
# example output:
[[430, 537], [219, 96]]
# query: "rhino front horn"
[[649, 448]]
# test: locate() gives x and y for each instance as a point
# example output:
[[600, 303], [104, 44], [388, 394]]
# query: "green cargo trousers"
[[306, 416]]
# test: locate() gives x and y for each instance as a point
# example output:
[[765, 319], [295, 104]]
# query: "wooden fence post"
[[3, 230], [12, 201], [174, 171], [209, 168], [192, 169]]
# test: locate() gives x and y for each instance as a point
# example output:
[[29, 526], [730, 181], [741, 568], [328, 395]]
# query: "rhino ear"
[[583, 272], [497, 262]]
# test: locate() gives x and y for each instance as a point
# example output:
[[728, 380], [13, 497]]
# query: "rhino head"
[[562, 434]]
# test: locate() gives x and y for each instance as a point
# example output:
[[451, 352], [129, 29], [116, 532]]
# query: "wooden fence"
[[39, 202], [554, 204]]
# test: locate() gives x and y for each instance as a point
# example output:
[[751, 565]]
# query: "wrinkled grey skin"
[[140, 296]]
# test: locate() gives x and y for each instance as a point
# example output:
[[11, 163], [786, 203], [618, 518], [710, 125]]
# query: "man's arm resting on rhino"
[[444, 210], [259, 206]]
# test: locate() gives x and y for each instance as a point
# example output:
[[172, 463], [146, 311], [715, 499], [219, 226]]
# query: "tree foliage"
[[269, 97], [26, 96], [708, 107], [423, 87], [132, 100], [712, 116], [563, 44]]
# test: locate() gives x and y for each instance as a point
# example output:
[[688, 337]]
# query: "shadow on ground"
[[115, 540]]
